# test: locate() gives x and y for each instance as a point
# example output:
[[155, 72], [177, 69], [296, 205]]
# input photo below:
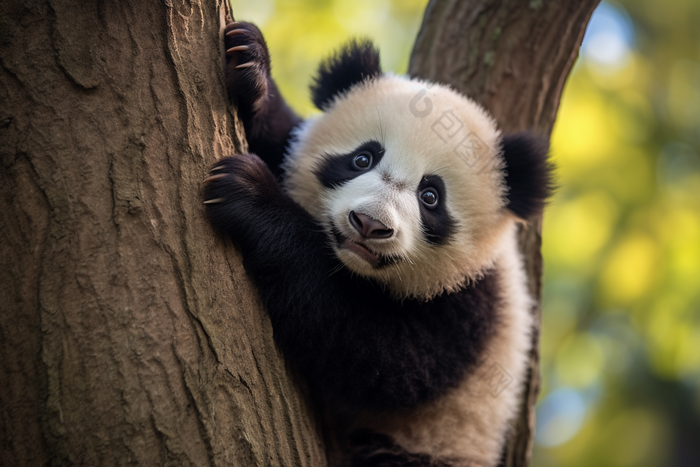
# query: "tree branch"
[[512, 57]]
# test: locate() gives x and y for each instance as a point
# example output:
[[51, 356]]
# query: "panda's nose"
[[368, 227]]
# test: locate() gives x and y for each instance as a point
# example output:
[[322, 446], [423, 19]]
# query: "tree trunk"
[[513, 58], [129, 333]]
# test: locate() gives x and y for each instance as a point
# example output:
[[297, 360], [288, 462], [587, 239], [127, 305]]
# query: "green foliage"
[[621, 239], [622, 250]]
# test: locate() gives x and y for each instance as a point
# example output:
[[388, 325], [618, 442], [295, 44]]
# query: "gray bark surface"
[[129, 333]]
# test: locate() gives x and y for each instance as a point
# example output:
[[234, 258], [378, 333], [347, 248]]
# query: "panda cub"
[[381, 235]]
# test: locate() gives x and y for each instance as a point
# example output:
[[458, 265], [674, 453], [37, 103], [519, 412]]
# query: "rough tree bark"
[[128, 331], [513, 57]]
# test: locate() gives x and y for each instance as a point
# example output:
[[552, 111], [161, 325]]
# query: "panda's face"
[[380, 212], [399, 203]]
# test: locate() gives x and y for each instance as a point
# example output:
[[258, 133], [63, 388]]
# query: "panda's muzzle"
[[377, 260], [369, 227]]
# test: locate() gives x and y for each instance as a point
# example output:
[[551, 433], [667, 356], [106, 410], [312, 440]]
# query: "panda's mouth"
[[375, 259]]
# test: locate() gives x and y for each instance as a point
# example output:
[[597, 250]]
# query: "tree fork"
[[129, 332]]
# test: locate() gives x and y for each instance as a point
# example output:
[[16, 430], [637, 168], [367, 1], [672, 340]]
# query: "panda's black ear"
[[529, 174], [352, 64]]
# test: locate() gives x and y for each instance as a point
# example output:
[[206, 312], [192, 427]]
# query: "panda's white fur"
[[467, 426], [427, 351]]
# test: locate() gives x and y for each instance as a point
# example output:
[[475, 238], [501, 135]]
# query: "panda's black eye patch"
[[337, 169], [438, 225]]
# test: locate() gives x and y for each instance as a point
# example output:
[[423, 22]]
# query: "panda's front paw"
[[236, 192], [247, 64]]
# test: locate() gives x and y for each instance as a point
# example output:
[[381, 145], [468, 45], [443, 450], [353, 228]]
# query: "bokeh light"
[[622, 246]]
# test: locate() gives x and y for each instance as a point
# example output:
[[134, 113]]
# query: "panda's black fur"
[[354, 63], [358, 346]]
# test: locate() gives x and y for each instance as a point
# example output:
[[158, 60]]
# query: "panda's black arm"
[[350, 339], [267, 119]]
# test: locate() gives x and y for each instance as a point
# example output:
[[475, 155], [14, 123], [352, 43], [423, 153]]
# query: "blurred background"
[[621, 239]]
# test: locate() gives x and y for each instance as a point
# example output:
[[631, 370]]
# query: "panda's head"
[[411, 180]]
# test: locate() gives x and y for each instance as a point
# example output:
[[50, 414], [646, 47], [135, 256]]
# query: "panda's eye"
[[362, 160], [429, 197]]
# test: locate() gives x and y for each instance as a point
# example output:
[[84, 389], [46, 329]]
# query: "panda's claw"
[[245, 65], [215, 201], [233, 32], [237, 48], [214, 177]]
